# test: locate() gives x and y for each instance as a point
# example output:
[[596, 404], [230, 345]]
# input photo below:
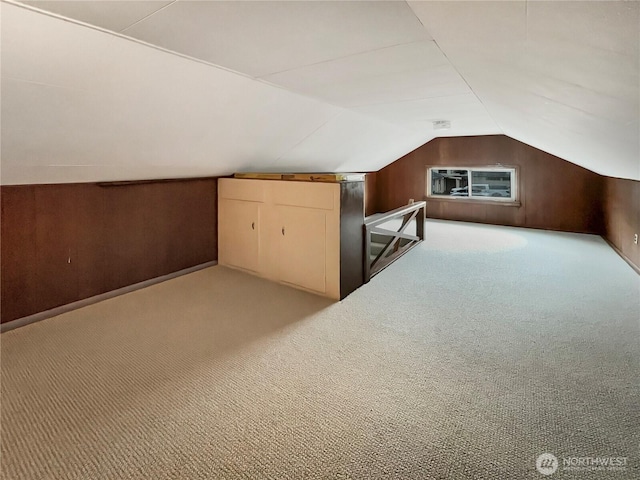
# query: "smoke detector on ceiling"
[[441, 124]]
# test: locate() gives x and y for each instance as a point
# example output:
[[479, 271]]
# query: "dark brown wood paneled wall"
[[622, 217], [67, 242], [554, 194], [351, 236], [370, 194]]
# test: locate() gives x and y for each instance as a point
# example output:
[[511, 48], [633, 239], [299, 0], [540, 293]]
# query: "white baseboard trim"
[[36, 317]]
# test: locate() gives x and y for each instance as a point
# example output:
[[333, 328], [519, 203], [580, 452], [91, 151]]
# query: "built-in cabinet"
[[292, 232], [241, 220]]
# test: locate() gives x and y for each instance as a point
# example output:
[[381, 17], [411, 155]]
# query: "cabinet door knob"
[[282, 230], [253, 225]]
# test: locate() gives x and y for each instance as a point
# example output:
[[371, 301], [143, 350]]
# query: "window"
[[486, 183]]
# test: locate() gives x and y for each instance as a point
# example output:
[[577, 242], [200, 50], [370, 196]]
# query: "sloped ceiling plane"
[[111, 90]]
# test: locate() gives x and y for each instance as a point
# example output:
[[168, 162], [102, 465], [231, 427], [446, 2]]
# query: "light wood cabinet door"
[[300, 246], [239, 234]]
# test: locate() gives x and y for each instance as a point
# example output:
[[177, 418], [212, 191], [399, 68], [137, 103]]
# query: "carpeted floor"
[[468, 358]]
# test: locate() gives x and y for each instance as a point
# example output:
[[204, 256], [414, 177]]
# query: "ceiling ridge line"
[[454, 67], [471, 89]]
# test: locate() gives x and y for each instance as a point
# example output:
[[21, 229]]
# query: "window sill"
[[498, 203]]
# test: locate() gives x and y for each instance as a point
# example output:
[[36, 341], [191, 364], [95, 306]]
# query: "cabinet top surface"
[[304, 177]]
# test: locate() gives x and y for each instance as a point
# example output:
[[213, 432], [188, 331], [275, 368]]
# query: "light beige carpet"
[[466, 359]]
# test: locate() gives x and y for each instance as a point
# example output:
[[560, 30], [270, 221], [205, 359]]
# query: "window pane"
[[490, 184], [449, 182]]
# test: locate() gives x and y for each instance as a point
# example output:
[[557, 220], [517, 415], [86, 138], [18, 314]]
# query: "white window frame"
[[479, 198]]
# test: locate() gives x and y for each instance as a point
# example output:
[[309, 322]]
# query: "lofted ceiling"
[[121, 90]]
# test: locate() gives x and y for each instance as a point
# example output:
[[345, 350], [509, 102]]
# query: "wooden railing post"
[[367, 254]]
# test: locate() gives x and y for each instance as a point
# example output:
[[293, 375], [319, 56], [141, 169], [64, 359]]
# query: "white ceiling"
[[190, 88], [561, 76]]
